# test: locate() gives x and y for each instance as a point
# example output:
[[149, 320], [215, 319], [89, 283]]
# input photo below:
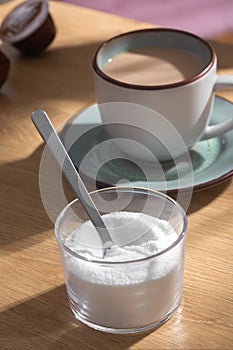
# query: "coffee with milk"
[[154, 66], [158, 82]]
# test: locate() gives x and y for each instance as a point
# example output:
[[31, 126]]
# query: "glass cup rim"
[[128, 189], [183, 82]]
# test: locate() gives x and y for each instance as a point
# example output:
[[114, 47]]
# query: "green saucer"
[[97, 158]]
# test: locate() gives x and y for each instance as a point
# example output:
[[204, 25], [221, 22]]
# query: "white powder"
[[130, 294]]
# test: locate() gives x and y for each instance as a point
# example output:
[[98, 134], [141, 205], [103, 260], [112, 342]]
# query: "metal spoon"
[[103, 240]]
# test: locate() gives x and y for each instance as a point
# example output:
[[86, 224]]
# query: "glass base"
[[146, 328]]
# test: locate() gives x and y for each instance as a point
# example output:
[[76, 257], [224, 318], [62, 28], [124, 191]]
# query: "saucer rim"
[[195, 188]]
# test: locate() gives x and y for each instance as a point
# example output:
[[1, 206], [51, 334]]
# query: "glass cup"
[[124, 296]]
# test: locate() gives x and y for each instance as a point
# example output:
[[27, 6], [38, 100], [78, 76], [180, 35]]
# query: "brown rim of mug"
[[152, 87]]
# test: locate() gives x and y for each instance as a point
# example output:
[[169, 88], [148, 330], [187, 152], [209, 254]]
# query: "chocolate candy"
[[4, 68], [29, 27]]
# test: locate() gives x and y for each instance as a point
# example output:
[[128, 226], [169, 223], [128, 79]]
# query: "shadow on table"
[[224, 53], [202, 198], [61, 73], [23, 211], [46, 322], [26, 215]]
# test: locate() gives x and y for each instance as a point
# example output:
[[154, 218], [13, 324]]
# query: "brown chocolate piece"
[[4, 68], [29, 27]]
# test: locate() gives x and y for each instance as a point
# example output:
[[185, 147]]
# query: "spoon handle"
[[51, 138]]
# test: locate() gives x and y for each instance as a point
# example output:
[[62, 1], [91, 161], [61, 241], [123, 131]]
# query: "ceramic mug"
[[166, 112]]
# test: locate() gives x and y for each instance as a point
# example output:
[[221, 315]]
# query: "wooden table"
[[34, 308]]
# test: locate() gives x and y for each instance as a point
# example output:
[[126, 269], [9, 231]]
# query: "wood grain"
[[34, 310]]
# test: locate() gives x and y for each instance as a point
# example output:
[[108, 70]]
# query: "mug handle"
[[222, 82]]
